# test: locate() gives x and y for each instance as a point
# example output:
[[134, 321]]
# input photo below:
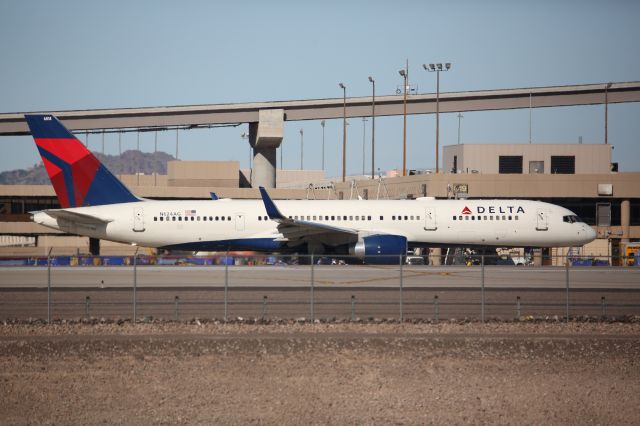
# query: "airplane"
[[96, 204]]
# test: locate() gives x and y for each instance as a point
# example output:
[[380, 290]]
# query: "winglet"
[[272, 210], [214, 196]]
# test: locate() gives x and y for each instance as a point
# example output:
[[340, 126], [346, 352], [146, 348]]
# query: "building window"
[[536, 167], [563, 164], [510, 164], [603, 214]]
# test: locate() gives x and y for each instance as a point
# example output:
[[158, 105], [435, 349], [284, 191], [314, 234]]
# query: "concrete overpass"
[[266, 119]]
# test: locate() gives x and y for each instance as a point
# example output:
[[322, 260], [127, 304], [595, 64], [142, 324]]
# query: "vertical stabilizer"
[[77, 176]]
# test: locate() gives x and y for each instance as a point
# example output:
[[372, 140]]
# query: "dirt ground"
[[498, 373]]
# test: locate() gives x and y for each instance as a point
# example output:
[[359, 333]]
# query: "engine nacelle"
[[381, 249]]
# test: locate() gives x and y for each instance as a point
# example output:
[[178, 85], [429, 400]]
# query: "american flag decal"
[[189, 213]]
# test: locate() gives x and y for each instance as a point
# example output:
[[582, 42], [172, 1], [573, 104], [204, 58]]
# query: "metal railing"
[[314, 288]]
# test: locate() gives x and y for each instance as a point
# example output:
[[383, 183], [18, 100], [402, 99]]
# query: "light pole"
[[322, 123], [404, 73], [177, 143], [102, 141], [364, 135], [373, 127], [245, 136], [437, 68], [119, 143], [459, 120], [344, 130], [301, 149]]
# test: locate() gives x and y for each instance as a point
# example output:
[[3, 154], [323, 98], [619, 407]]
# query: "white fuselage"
[[209, 224]]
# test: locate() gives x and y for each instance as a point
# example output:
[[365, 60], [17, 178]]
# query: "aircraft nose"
[[589, 234]]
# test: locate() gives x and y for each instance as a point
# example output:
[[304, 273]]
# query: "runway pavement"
[[323, 276], [338, 292]]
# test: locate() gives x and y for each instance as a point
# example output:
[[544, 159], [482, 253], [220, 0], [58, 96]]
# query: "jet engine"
[[380, 249]]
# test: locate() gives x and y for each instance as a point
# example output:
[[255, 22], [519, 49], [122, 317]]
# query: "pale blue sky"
[[59, 55]]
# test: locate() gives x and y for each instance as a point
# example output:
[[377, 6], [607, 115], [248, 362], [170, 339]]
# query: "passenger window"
[[326, 218], [455, 217], [393, 218], [368, 217], [333, 218], [509, 217], [193, 218], [155, 219], [504, 217], [473, 218], [411, 217], [381, 217], [516, 217], [466, 218]]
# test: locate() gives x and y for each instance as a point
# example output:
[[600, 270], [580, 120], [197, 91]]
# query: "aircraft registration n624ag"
[[96, 204]]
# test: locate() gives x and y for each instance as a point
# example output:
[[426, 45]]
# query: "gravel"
[[295, 372]]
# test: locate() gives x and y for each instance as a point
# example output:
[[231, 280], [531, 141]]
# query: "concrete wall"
[[224, 174], [590, 158]]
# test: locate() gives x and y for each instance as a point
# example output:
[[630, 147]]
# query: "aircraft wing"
[[76, 217], [300, 230]]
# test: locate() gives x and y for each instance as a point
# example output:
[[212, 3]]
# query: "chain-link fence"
[[228, 287]]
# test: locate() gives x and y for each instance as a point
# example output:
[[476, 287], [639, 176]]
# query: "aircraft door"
[[542, 223], [239, 221], [138, 219], [430, 219]]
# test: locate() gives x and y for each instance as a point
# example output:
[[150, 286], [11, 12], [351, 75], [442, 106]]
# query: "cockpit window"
[[572, 219]]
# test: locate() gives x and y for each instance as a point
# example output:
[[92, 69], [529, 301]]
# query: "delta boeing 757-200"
[[96, 204]]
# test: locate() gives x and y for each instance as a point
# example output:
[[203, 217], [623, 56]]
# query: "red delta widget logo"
[[494, 209]]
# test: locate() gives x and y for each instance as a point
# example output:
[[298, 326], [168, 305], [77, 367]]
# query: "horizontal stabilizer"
[[76, 217]]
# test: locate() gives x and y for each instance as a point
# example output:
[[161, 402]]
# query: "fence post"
[[482, 288], [436, 308], [518, 307], [312, 295], [49, 286], [135, 285], [604, 306], [176, 312], [264, 306], [226, 284], [87, 304], [353, 308], [567, 285], [401, 294]]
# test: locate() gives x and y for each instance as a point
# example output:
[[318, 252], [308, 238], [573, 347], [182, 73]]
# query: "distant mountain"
[[130, 162]]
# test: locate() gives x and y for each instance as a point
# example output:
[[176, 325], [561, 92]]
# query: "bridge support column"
[[265, 137]]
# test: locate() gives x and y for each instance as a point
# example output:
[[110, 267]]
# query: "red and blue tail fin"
[[77, 176]]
